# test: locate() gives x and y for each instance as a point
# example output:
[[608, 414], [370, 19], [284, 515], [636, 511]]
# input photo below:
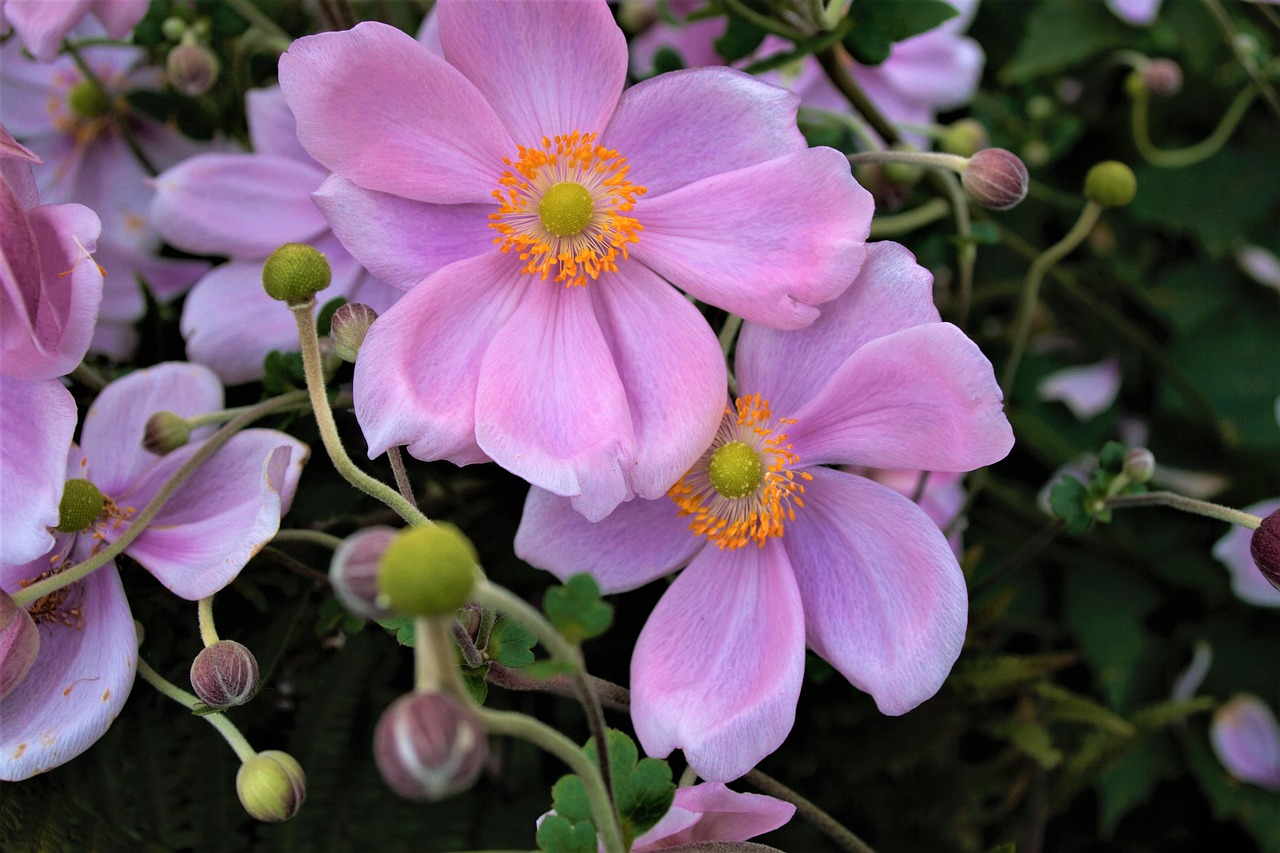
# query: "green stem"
[[894, 224], [542, 735], [1177, 158], [825, 823], [840, 77], [121, 122], [24, 597], [251, 13], [244, 751], [433, 664], [88, 377], [310, 537], [764, 22], [967, 253], [402, 476], [302, 313], [729, 332], [208, 633], [928, 159], [1186, 504]]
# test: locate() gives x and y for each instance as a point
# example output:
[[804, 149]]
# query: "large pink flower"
[[782, 549], [197, 544], [709, 811], [535, 209]]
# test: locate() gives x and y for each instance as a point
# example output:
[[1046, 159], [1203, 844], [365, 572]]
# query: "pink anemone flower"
[[535, 209], [708, 812], [1232, 550], [781, 549], [197, 544], [1246, 738], [43, 24], [244, 206]]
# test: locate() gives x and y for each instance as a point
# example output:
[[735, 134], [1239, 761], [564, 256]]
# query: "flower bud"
[[427, 571], [271, 786], [1110, 184], [965, 138], [1162, 77], [428, 746], [80, 506], [348, 327], [19, 644], [1265, 548], [1140, 465], [354, 571], [996, 178], [225, 675], [295, 272], [173, 28], [192, 69], [165, 432]]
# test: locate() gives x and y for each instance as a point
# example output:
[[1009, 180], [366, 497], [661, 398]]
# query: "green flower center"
[[87, 100], [80, 506], [566, 209], [735, 470]]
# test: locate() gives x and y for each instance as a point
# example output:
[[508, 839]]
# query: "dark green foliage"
[[877, 24], [576, 609]]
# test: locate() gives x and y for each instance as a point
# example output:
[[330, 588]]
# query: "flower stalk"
[[232, 735], [1186, 504]]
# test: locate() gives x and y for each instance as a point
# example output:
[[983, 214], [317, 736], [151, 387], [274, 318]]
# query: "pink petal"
[[694, 42], [272, 129], [37, 420], [942, 499], [42, 24], [931, 72], [408, 123], [1246, 738], [419, 367], [923, 398], [638, 542], [550, 406], [717, 669], [1137, 12], [1247, 582], [114, 425], [119, 16], [679, 128], [80, 679], [1088, 390], [892, 292], [399, 240], [884, 598], [545, 68], [725, 815], [223, 514], [767, 242]]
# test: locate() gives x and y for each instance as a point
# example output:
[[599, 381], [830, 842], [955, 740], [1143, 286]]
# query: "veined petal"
[[768, 242], [119, 16], [723, 815], [1087, 390], [37, 420], [272, 129], [43, 24], [638, 542], [1246, 737], [1247, 582], [717, 669], [884, 598]]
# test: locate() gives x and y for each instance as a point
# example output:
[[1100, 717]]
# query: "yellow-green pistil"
[[80, 506], [735, 470], [87, 100], [566, 209]]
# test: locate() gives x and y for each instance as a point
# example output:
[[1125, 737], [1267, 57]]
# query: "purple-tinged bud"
[[81, 504], [19, 644], [1246, 738], [1110, 184], [1162, 77], [225, 675], [347, 328], [996, 178], [427, 571], [1264, 547], [165, 432], [271, 786], [354, 571], [295, 272], [428, 746], [965, 137], [192, 69], [1140, 465]]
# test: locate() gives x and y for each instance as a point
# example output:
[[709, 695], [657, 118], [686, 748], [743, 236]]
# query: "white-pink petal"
[[37, 421]]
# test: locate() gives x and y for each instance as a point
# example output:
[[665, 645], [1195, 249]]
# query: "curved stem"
[[828, 825], [212, 444], [208, 633], [764, 22], [1186, 504], [894, 224], [729, 333], [402, 476], [967, 253], [1177, 158], [329, 430], [310, 537], [928, 159], [237, 741], [280, 40], [840, 77]]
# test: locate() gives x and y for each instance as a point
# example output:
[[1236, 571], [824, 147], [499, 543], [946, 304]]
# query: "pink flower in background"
[[62, 118], [197, 544], [1246, 738], [1142, 13], [782, 549], [245, 206], [535, 208], [1087, 390], [1232, 550], [941, 500], [711, 812], [43, 24]]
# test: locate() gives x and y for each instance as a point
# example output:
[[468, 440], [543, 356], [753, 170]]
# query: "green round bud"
[[87, 100], [80, 506], [427, 571], [965, 138], [295, 272], [1110, 184], [165, 432], [173, 28], [271, 786]]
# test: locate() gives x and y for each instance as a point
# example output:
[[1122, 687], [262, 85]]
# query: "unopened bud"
[[1265, 548], [295, 272], [1162, 77], [347, 328], [427, 571], [428, 746], [354, 571], [225, 675], [996, 178], [81, 504], [1140, 465], [1110, 184], [271, 786], [173, 28], [165, 432], [19, 644], [965, 137], [1041, 108], [192, 69]]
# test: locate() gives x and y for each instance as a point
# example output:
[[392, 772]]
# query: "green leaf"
[[998, 675], [325, 318], [474, 681], [1067, 500], [667, 59], [1131, 781], [510, 644], [281, 372], [740, 38], [576, 609], [1032, 738], [1007, 847], [1069, 707], [877, 24], [1061, 33], [1106, 610], [1253, 806], [557, 835], [569, 798], [400, 627], [332, 615], [642, 790], [1111, 458]]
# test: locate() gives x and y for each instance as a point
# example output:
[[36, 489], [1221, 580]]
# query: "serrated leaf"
[[1032, 738], [400, 627], [642, 789], [281, 372], [474, 681], [988, 677], [1156, 717], [510, 644], [569, 798], [576, 609], [1067, 500], [1069, 707], [557, 835], [1111, 457]]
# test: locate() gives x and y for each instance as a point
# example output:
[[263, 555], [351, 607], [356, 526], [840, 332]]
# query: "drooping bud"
[[271, 786], [295, 272], [80, 506], [1140, 465], [19, 644], [87, 100], [428, 746], [427, 571], [225, 674], [354, 571], [165, 432], [192, 69], [965, 137], [996, 178], [1264, 547], [1162, 77], [347, 328], [1110, 184]]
